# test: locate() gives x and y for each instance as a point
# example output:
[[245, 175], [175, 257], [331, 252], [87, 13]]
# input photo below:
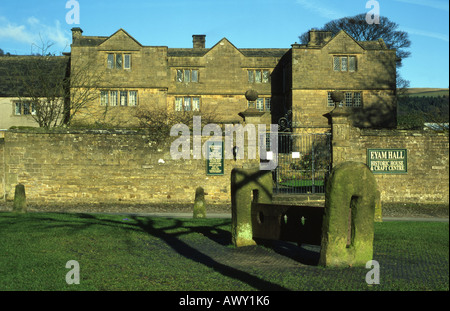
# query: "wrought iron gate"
[[304, 161]]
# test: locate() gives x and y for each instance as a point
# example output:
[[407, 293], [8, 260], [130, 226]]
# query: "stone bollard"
[[199, 203], [247, 185], [20, 201], [348, 226]]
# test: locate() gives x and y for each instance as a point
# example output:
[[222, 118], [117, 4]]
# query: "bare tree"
[[159, 121], [54, 91], [83, 85]]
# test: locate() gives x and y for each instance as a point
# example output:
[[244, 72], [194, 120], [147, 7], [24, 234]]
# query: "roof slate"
[[245, 52], [15, 72]]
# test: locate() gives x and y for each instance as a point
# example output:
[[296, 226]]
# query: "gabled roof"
[[117, 34], [374, 45], [102, 42], [224, 41], [343, 33], [365, 45]]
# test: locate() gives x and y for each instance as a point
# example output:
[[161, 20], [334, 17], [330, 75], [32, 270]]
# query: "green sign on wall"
[[387, 161], [214, 158]]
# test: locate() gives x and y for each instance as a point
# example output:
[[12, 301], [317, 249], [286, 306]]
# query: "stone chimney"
[[319, 37], [76, 33], [198, 41]]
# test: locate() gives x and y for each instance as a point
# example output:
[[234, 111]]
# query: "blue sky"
[[246, 23]]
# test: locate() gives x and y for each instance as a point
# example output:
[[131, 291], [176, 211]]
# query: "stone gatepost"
[[251, 115], [247, 185], [343, 135], [341, 131]]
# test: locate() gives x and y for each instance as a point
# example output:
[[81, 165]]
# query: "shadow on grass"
[[170, 234], [305, 254], [194, 254]]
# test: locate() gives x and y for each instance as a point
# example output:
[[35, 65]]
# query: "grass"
[[428, 91], [431, 94], [301, 183], [120, 252]]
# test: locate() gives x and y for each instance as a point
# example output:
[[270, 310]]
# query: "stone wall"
[[129, 167], [106, 167], [427, 179], [427, 176]]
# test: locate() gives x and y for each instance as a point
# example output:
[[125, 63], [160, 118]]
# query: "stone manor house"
[[293, 85], [295, 82]]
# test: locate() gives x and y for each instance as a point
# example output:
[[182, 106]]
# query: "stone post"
[[348, 224], [199, 203], [20, 201], [247, 185]]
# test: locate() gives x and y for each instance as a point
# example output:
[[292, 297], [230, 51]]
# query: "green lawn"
[[431, 93], [301, 183], [119, 252]]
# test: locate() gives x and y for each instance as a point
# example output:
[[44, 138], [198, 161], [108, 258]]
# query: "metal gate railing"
[[304, 161]]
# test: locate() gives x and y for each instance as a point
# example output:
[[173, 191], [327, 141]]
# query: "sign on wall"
[[214, 158], [387, 161]]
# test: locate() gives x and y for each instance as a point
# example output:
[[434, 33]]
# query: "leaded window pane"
[[123, 98], [330, 100], [179, 75], [17, 110], [133, 98], [258, 76], [196, 104], [267, 106], [187, 76], [187, 104], [352, 63], [336, 64], [127, 61], [110, 61], [104, 98], [266, 76], [119, 61], [260, 104], [26, 108], [344, 64], [348, 99], [357, 100], [113, 98], [194, 77], [251, 76], [178, 104]]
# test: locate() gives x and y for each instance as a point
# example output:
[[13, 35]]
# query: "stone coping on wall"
[[396, 132], [79, 131], [140, 131]]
